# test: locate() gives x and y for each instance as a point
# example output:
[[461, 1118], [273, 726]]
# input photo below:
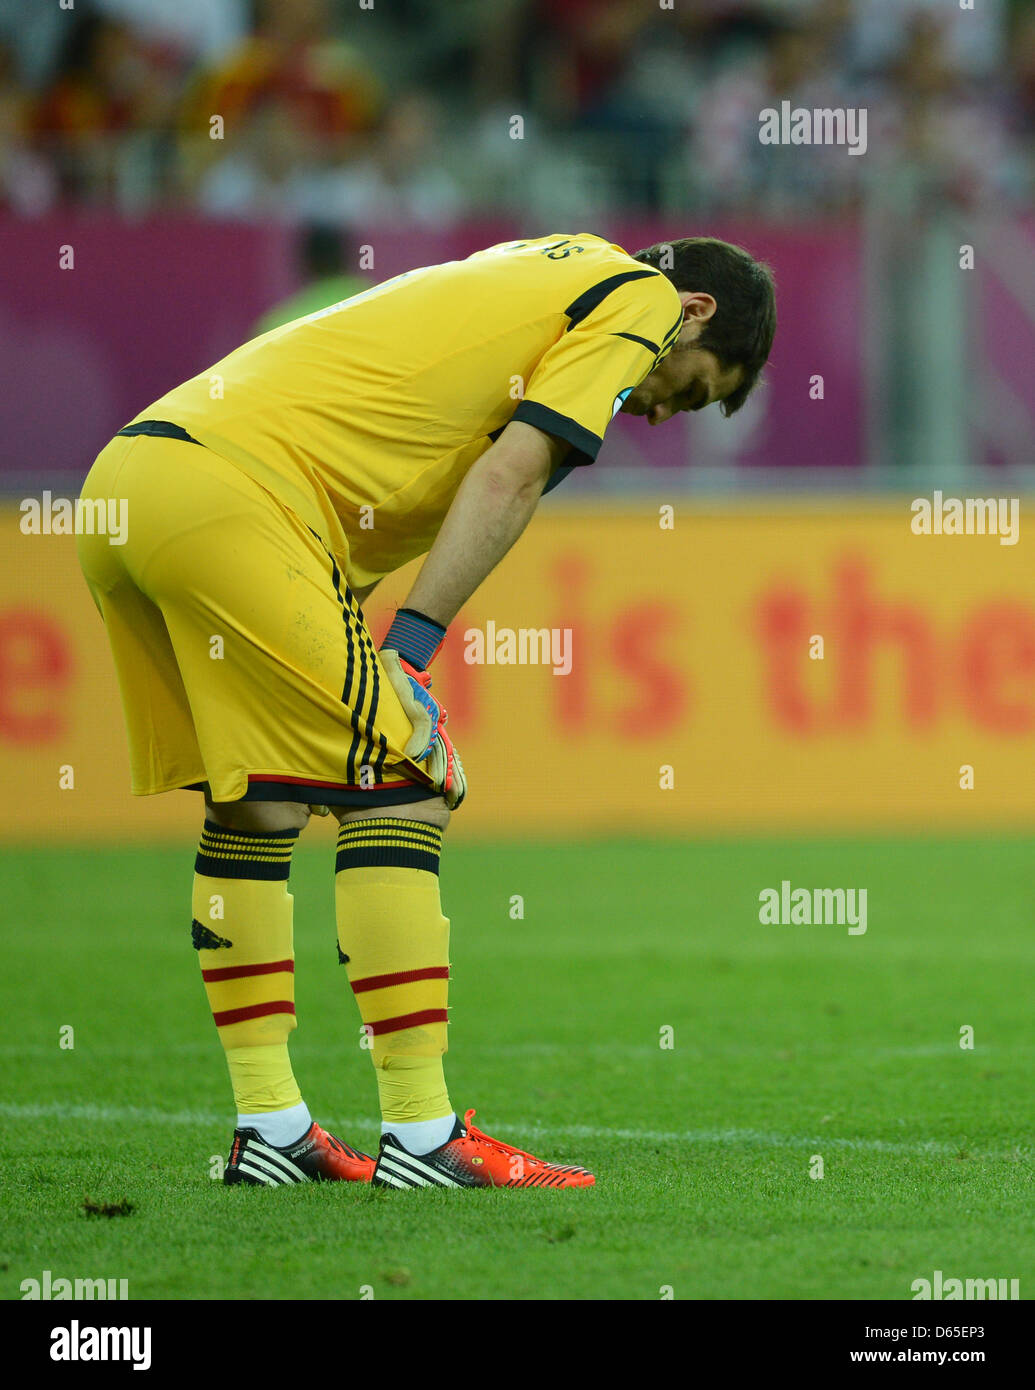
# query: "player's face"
[[690, 377]]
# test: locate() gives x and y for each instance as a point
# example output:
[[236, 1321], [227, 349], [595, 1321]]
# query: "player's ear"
[[698, 307]]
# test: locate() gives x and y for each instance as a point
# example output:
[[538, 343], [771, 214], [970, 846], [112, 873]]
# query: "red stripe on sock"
[[241, 972], [401, 977], [279, 1006], [393, 1025]]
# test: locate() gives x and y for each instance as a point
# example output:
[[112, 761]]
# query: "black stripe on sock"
[[377, 842], [245, 854], [379, 856]]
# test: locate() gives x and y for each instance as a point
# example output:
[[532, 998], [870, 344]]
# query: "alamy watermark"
[[793, 907], [79, 1343], [64, 516], [523, 646], [49, 1287], [839, 125], [967, 516], [949, 1289]]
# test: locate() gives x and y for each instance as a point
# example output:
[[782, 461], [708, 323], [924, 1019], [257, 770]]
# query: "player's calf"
[[394, 943]]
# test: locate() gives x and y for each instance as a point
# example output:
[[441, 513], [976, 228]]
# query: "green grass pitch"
[[789, 1042]]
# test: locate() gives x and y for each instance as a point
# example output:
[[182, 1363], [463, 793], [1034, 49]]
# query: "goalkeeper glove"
[[410, 644]]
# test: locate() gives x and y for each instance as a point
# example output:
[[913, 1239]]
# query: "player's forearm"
[[488, 514], [493, 505]]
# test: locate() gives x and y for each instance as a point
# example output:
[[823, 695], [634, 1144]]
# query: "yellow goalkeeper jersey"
[[364, 417]]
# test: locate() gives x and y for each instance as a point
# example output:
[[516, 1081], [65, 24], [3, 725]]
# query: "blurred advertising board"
[[658, 668]]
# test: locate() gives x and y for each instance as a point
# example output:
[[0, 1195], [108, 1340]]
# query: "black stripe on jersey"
[[350, 664], [350, 759], [382, 750], [668, 342], [368, 655], [353, 622], [590, 299], [582, 440], [336, 581], [635, 338], [160, 429], [673, 332], [357, 718]]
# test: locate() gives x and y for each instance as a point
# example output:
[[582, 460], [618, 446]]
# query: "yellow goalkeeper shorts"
[[245, 664]]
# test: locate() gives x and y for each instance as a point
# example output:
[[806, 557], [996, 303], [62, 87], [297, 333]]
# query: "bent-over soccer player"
[[267, 497]]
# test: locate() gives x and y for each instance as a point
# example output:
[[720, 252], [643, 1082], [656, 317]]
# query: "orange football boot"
[[470, 1158], [316, 1157]]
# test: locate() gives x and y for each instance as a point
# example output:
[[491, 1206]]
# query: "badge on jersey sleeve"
[[620, 400]]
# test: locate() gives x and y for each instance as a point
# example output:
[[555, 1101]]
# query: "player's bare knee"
[[434, 811], [258, 816]]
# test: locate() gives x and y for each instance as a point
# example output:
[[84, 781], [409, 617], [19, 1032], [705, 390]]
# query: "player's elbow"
[[518, 466], [514, 483]]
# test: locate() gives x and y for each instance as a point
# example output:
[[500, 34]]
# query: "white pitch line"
[[819, 1052], [134, 1114]]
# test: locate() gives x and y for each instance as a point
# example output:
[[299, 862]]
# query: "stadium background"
[[395, 127]]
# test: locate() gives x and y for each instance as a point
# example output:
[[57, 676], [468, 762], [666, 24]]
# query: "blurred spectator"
[[973, 38], [295, 61], [203, 29], [109, 90], [1023, 94], [325, 112], [731, 167], [322, 257], [400, 179], [34, 34], [586, 44], [269, 171], [944, 132], [27, 182], [292, 99]]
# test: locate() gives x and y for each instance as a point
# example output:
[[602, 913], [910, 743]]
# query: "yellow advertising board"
[[629, 670]]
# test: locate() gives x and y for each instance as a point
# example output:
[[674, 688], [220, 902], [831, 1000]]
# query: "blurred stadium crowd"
[[336, 112]]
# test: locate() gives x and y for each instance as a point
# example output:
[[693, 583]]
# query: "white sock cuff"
[[279, 1127], [421, 1136]]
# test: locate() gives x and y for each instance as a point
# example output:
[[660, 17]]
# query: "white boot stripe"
[[413, 1178], [256, 1173], [412, 1162], [419, 1172], [389, 1179], [274, 1156], [276, 1164]]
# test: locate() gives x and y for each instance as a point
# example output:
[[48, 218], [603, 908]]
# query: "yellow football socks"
[[242, 931], [394, 943]]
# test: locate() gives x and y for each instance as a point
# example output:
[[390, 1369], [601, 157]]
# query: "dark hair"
[[321, 249], [741, 330]]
